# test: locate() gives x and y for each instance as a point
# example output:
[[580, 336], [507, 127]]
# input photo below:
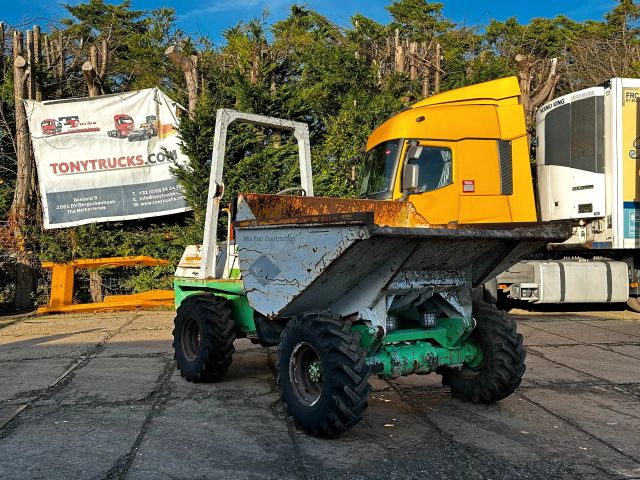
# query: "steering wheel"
[[293, 189]]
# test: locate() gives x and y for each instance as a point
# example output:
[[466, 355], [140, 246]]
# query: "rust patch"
[[281, 208]]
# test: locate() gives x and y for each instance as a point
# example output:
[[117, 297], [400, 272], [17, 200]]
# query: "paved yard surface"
[[97, 396]]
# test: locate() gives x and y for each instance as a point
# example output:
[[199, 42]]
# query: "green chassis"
[[398, 353]]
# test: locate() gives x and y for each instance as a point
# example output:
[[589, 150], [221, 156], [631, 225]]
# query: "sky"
[[212, 17]]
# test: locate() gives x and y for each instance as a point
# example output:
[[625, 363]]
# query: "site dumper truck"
[[146, 130], [347, 288]]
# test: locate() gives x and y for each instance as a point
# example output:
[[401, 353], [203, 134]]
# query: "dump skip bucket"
[[307, 253]]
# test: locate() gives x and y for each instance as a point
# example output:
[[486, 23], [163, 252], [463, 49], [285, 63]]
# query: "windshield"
[[379, 168], [122, 120]]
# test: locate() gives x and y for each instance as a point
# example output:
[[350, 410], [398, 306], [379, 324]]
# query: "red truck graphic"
[[50, 126], [124, 125]]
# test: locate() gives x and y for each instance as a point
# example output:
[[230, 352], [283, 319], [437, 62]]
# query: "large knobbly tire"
[[502, 367], [322, 373], [203, 338]]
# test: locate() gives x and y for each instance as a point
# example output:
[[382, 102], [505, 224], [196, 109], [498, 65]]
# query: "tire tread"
[[345, 371], [216, 337], [506, 356]]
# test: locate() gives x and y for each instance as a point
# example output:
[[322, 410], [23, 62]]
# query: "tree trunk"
[[31, 71], [90, 72], [37, 51], [95, 286], [23, 193], [413, 61], [60, 65], [438, 67], [2, 58], [189, 67], [399, 53], [91, 78], [48, 54], [545, 91]]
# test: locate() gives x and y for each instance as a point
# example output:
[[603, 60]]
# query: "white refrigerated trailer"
[[587, 165]]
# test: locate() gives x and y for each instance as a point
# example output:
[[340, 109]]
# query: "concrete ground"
[[97, 396]]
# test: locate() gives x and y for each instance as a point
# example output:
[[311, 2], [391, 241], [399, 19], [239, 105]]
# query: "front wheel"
[[498, 371], [322, 372], [203, 338]]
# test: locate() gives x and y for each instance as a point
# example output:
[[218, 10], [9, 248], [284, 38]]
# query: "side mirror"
[[410, 177], [414, 152]]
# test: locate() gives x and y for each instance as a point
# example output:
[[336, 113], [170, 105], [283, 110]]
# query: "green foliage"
[[341, 81], [165, 240], [197, 141], [135, 41], [419, 19]]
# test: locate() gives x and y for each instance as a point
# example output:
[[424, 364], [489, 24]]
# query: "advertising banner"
[[106, 158]]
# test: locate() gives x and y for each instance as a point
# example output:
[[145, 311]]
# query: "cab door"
[[437, 197]]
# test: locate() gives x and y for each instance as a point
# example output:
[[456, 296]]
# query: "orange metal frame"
[[62, 281]]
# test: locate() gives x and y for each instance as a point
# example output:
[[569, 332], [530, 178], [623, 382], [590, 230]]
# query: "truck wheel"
[[634, 304], [500, 370], [322, 372], [203, 338]]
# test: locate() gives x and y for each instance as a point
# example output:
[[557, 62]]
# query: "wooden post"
[[438, 68], [189, 67], [25, 279]]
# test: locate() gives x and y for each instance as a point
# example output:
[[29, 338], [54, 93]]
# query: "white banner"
[[106, 158]]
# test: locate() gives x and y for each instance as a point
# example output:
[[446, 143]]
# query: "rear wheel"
[[203, 338], [499, 371], [322, 372]]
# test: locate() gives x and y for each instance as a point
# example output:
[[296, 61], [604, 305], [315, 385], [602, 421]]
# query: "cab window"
[[379, 169], [435, 169]]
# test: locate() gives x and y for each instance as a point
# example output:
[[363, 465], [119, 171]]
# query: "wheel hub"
[[315, 371], [305, 373], [191, 339]]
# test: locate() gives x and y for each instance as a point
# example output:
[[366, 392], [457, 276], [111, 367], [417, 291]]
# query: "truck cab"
[[123, 126], [49, 126], [458, 157]]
